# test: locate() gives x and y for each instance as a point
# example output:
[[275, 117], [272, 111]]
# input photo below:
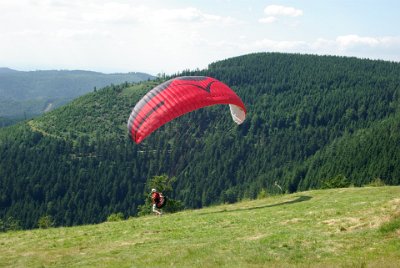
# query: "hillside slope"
[[376, 147], [32, 93], [78, 165], [357, 227]]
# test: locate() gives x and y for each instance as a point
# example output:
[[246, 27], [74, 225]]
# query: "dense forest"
[[310, 119], [27, 94]]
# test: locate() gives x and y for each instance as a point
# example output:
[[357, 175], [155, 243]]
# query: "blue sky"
[[168, 36]]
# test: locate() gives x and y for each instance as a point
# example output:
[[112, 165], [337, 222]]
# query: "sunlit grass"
[[341, 227]]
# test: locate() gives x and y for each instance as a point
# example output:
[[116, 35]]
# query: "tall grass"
[[354, 227]]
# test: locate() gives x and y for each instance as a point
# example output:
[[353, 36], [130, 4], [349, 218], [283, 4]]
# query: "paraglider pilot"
[[155, 200]]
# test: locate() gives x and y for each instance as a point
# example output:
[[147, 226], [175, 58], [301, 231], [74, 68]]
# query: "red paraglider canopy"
[[179, 96]]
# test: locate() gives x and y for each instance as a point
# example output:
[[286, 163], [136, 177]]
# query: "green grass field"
[[352, 227]]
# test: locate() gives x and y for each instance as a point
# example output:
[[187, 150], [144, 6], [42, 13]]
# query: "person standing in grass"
[[156, 200]]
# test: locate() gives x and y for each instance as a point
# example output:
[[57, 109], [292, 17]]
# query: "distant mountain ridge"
[[7, 70], [28, 93]]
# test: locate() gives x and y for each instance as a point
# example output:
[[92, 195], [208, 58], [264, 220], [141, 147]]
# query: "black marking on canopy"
[[207, 88], [150, 95], [197, 78], [147, 116]]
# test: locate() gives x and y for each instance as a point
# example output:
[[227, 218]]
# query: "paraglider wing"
[[179, 96]]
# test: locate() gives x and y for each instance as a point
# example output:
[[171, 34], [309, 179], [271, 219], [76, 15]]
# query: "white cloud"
[[385, 48], [272, 45], [348, 41], [109, 35], [112, 12], [340, 43], [353, 42], [127, 12], [189, 15], [277, 10], [274, 12], [270, 19]]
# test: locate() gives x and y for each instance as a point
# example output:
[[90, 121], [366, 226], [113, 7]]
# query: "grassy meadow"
[[351, 227]]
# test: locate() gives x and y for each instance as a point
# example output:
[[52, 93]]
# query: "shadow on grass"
[[297, 200]]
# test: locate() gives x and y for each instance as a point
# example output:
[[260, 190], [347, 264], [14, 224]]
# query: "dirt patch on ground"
[[294, 220], [346, 223], [345, 220], [254, 237], [371, 219], [395, 203]]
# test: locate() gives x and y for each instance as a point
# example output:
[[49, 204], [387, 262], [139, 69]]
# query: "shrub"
[[229, 196], [340, 181], [173, 206], [2, 226], [262, 194], [45, 222], [144, 209], [115, 217], [9, 224], [377, 182]]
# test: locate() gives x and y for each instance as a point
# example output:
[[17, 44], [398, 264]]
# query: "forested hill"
[[32, 93], [310, 119]]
